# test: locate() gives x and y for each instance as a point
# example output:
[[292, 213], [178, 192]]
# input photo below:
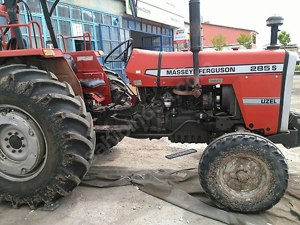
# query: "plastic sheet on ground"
[[182, 188]]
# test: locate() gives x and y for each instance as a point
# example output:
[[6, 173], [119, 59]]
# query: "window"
[[166, 41], [168, 32], [98, 34], [138, 26], [88, 28], [144, 27], [124, 35], [114, 34], [131, 25], [87, 16], [34, 6], [76, 14], [154, 29], [158, 30], [149, 28], [65, 14], [69, 45], [125, 23], [107, 20], [147, 42], [65, 27], [105, 33], [63, 11], [106, 47], [162, 41], [55, 26], [156, 41], [98, 18]]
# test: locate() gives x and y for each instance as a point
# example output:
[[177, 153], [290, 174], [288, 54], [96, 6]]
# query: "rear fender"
[[89, 67], [52, 60], [60, 67]]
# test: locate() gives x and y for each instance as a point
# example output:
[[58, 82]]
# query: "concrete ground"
[[119, 205], [123, 205]]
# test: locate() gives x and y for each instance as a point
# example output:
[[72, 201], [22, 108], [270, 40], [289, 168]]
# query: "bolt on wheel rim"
[[243, 177], [23, 150]]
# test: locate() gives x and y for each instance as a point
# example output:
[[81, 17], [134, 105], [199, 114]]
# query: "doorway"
[[147, 41], [79, 45]]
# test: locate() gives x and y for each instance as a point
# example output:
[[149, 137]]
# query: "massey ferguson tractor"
[[57, 108]]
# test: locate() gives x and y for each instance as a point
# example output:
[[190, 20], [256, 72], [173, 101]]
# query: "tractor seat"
[[71, 62], [92, 83]]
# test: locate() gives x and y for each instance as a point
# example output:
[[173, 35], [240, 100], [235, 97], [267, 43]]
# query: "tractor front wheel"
[[243, 172]]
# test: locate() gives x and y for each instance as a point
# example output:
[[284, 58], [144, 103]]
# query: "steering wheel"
[[128, 43]]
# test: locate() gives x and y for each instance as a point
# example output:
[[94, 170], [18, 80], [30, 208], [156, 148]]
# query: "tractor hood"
[[144, 67]]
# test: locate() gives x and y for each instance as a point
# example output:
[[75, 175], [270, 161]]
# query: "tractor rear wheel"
[[243, 172], [46, 137]]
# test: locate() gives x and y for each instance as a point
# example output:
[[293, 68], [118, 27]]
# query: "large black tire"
[[105, 142], [117, 86], [52, 133], [243, 172]]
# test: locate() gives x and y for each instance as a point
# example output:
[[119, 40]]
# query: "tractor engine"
[[237, 90], [176, 112]]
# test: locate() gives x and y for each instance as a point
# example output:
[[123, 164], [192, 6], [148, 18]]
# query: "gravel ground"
[[123, 205]]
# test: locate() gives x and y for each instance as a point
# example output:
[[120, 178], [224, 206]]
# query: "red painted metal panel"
[[90, 68], [246, 85], [31, 52]]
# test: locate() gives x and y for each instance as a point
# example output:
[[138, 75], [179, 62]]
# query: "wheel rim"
[[243, 177], [23, 150]]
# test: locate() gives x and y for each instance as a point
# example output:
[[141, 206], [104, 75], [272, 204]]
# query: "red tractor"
[[237, 102]]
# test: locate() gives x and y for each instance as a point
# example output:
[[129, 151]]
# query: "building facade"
[[109, 22]]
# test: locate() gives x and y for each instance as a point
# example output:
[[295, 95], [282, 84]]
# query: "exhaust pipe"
[[274, 22], [196, 47]]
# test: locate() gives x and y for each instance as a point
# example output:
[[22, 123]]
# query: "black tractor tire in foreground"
[[243, 172], [46, 137]]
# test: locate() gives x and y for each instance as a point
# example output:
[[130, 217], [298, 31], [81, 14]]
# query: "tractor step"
[[112, 128]]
